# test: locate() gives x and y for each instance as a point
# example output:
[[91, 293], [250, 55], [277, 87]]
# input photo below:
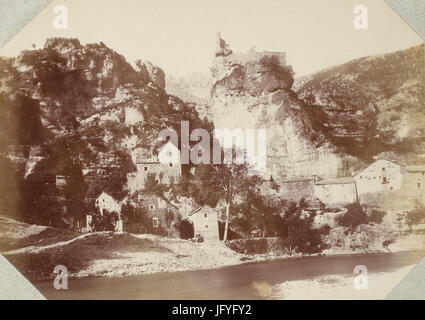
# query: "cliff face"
[[372, 104], [194, 88], [330, 122], [253, 90], [87, 98]]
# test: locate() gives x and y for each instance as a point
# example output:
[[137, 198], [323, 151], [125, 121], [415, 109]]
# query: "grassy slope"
[[36, 250]]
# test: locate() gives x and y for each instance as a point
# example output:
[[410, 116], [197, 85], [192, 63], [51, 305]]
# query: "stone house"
[[297, 189], [105, 202], [414, 183], [165, 166], [162, 215], [382, 175], [339, 191], [205, 223], [391, 186]]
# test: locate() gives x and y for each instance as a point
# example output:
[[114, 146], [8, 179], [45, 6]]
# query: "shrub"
[[415, 216], [105, 221], [186, 229], [354, 216], [249, 246], [272, 64], [297, 232], [377, 216]]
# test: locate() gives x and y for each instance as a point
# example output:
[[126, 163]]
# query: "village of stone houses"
[[87, 184]]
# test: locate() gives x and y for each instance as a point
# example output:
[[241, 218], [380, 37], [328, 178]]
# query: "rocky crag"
[[253, 90], [372, 104], [69, 102], [327, 124]]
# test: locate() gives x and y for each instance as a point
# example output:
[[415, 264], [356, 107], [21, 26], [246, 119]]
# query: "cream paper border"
[[15, 14]]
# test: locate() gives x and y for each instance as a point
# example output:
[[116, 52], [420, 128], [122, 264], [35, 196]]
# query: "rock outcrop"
[[328, 123], [84, 102], [253, 91], [155, 73], [372, 104]]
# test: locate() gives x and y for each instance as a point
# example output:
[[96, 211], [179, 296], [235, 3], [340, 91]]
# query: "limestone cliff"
[[253, 90], [82, 102], [372, 104]]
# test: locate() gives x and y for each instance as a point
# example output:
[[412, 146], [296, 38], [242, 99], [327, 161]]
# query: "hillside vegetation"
[[372, 104]]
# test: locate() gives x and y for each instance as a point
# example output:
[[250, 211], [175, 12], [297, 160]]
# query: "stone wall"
[[158, 208], [295, 190], [334, 193]]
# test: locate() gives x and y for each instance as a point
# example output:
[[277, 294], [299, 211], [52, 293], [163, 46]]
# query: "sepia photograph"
[[211, 150]]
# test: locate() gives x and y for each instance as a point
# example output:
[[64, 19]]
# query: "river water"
[[235, 282]]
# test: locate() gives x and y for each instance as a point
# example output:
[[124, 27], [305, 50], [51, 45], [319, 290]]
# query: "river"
[[235, 282]]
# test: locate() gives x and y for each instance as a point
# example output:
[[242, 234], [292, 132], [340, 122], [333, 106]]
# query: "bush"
[[297, 232], [272, 64], [105, 221], [250, 246], [415, 217], [377, 216], [354, 216], [186, 229]]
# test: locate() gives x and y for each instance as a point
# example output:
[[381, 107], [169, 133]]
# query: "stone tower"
[[222, 48]]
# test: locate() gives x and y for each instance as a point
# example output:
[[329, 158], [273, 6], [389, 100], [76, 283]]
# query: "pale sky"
[[179, 36]]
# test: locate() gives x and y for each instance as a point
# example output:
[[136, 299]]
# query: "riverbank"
[[338, 287], [36, 250]]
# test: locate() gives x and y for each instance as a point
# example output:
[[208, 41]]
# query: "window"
[[206, 226], [155, 222], [419, 184], [205, 215], [145, 168], [383, 169], [200, 153], [152, 206], [171, 164], [170, 154]]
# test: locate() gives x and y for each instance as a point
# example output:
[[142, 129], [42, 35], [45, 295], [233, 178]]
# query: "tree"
[[133, 216], [230, 182], [104, 221], [415, 216], [74, 191], [354, 216], [377, 216], [186, 229], [40, 204], [296, 229], [11, 190], [152, 186], [258, 212]]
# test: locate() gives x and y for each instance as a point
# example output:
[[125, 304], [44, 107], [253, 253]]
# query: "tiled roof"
[[336, 181], [415, 168]]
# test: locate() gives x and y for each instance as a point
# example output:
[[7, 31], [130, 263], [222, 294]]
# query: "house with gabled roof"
[[391, 185], [336, 191], [382, 175], [205, 223], [164, 165]]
